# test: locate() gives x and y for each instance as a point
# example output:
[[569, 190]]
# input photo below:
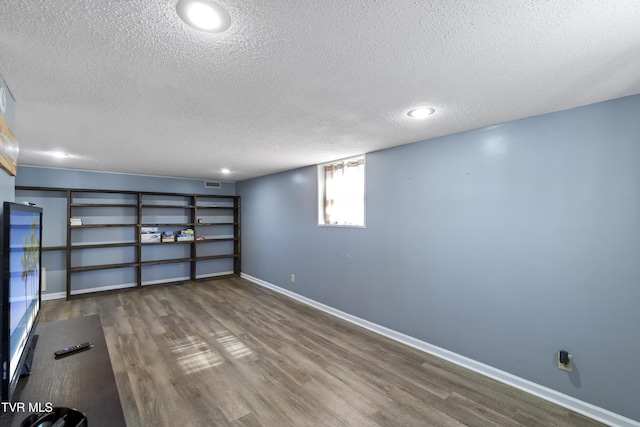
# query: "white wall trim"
[[169, 280], [207, 275], [553, 396], [102, 288], [53, 295]]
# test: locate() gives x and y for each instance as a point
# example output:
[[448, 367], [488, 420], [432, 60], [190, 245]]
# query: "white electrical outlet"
[[293, 278], [568, 367], [182, 264]]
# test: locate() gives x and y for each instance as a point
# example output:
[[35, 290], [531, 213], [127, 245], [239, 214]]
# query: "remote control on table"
[[68, 350]]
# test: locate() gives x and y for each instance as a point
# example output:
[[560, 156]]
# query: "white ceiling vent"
[[212, 184]]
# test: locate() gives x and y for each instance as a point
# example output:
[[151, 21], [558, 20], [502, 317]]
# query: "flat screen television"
[[20, 290]]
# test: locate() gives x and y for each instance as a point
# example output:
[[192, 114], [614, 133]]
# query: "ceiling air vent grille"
[[212, 184]]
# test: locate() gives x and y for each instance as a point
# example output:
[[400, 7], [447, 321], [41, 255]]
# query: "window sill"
[[342, 226]]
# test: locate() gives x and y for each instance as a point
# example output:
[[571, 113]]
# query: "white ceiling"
[[126, 86]]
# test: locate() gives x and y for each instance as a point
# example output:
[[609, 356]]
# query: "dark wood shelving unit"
[[216, 257], [103, 267], [102, 245], [213, 239], [206, 208], [167, 261], [101, 225], [146, 209], [101, 205], [148, 205], [54, 248], [175, 224], [166, 243]]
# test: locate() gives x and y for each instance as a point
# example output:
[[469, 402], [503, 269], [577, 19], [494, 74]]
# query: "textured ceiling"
[[126, 86]]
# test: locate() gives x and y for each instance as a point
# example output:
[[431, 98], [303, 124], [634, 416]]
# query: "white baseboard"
[[207, 275], [553, 396], [60, 295], [103, 288], [170, 280], [53, 295]]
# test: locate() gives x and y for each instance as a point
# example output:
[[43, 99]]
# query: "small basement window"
[[341, 196]]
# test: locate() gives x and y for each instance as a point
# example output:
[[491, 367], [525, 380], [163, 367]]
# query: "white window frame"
[[321, 192]]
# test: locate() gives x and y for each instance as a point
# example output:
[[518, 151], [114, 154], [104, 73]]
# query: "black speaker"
[[58, 417]]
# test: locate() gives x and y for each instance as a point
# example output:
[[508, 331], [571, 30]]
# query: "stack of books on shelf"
[[185, 235], [75, 221], [149, 235], [167, 236]]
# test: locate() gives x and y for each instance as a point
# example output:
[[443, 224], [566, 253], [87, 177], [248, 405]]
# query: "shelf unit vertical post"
[[192, 265], [68, 249], [194, 254], [139, 243], [236, 243]]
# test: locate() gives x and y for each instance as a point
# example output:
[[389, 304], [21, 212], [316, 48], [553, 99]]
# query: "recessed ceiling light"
[[204, 15], [225, 170], [421, 112]]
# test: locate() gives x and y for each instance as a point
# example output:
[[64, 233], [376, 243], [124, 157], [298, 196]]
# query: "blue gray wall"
[[503, 244], [7, 182]]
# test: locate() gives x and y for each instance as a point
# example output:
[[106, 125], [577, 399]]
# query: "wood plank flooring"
[[230, 353]]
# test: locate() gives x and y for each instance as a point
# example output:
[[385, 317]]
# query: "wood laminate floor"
[[230, 353]]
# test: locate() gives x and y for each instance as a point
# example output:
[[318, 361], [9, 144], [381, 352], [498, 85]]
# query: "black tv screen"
[[20, 290]]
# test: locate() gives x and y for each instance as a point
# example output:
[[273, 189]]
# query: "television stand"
[[83, 381]]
